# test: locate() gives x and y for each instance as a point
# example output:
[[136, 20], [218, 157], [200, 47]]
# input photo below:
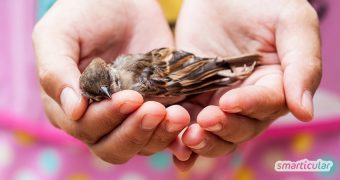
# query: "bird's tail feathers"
[[212, 73]]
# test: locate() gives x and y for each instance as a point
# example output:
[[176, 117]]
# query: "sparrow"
[[163, 72]]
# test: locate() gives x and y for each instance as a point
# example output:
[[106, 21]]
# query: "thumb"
[[298, 45], [57, 57]]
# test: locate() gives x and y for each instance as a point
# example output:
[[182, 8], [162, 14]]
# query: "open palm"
[[74, 32], [284, 33]]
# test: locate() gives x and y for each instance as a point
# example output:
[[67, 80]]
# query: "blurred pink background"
[[21, 109], [20, 105]]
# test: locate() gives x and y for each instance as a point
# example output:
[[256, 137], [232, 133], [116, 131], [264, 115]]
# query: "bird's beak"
[[106, 91]]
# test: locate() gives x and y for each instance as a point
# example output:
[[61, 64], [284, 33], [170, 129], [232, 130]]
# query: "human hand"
[[285, 33], [67, 38]]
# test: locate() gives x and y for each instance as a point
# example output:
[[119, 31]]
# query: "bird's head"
[[95, 81]]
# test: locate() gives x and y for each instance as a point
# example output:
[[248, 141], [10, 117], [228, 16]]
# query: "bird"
[[164, 72]]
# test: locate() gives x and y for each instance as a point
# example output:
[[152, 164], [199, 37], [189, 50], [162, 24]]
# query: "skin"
[[286, 34], [67, 38]]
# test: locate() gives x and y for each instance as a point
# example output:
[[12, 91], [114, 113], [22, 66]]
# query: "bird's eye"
[[101, 91]]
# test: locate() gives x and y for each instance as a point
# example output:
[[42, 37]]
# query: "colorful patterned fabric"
[[30, 148]]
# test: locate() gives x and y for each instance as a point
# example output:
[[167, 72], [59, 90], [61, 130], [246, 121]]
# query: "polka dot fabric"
[[40, 160], [36, 160]]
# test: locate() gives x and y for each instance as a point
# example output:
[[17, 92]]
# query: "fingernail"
[[172, 127], [307, 102], [233, 110], [200, 145], [184, 157], [69, 100], [214, 128], [128, 107], [150, 122]]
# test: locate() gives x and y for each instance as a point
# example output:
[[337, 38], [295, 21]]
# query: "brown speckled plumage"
[[164, 72]]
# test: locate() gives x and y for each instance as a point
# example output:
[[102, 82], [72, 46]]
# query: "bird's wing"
[[178, 72]]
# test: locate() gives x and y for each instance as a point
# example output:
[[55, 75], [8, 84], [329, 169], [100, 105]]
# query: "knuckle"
[[215, 149], [314, 65], [49, 79], [162, 140], [231, 134], [154, 147], [228, 149], [240, 133], [45, 76], [78, 132], [227, 134], [50, 108], [135, 140], [206, 151], [314, 69], [276, 114], [318, 68]]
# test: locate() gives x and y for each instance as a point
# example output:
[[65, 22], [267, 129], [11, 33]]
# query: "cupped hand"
[[67, 38], [286, 35]]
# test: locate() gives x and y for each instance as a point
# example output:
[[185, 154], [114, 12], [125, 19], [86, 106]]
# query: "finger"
[[204, 143], [298, 45], [185, 165], [102, 117], [176, 119], [57, 57], [263, 101], [230, 127], [132, 135], [179, 150], [52, 109]]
